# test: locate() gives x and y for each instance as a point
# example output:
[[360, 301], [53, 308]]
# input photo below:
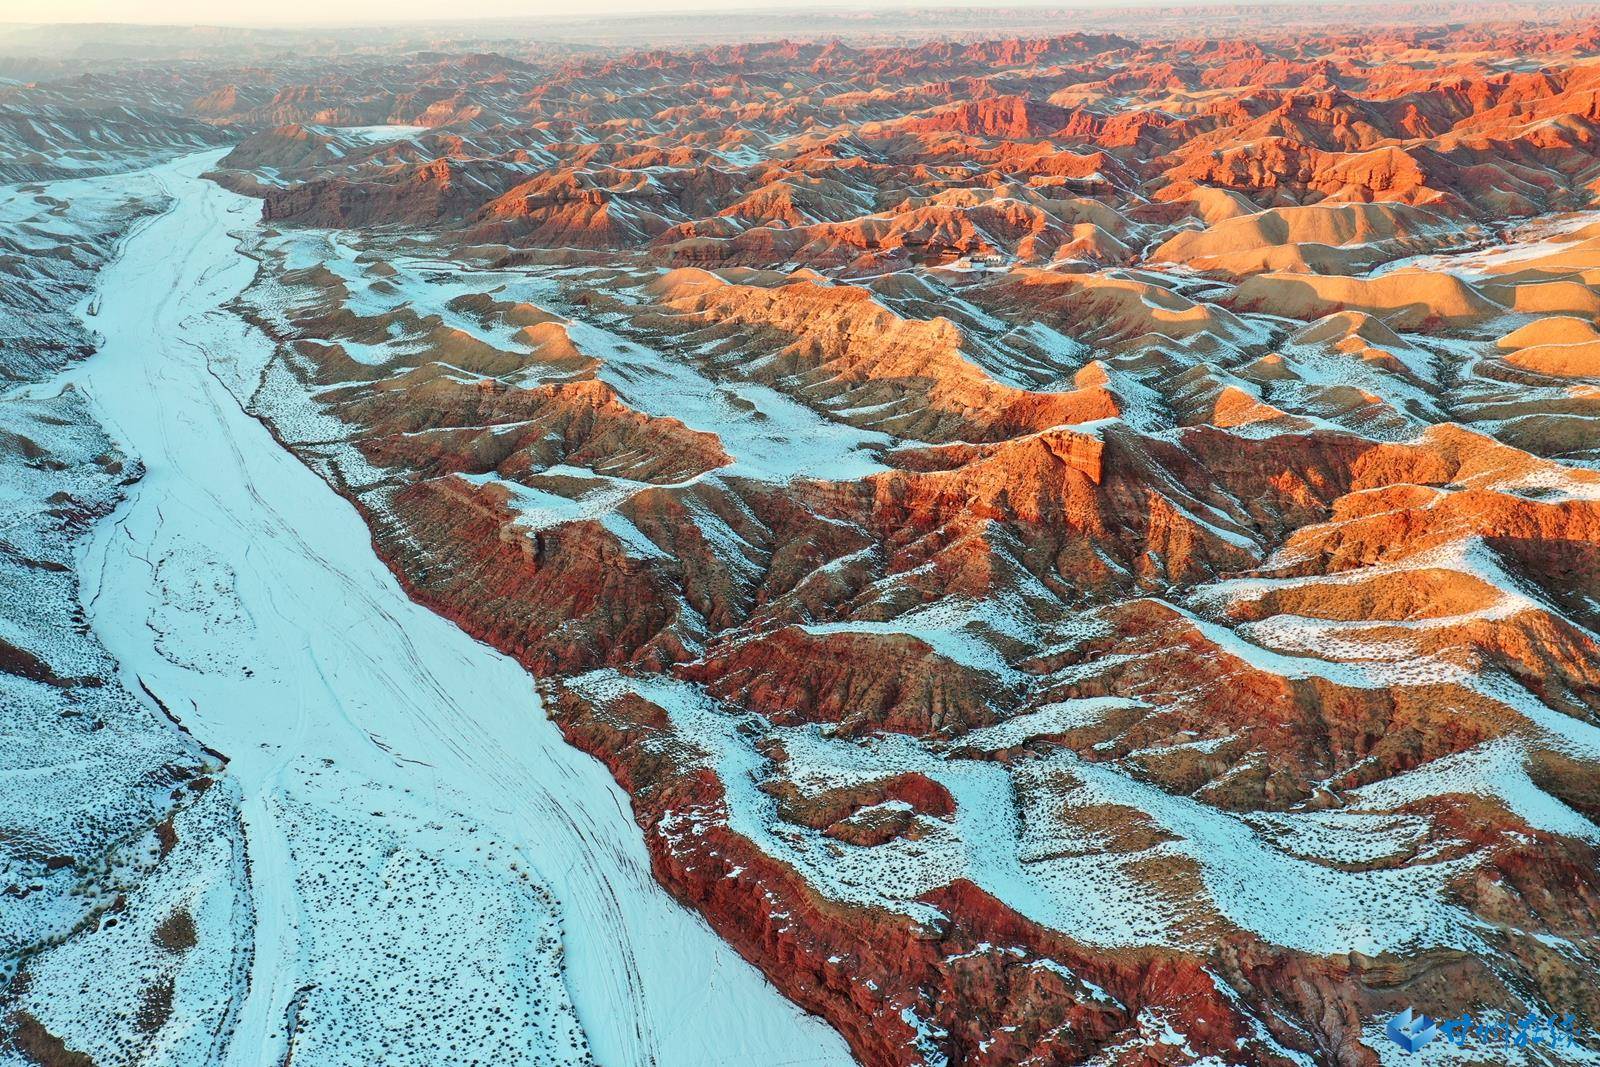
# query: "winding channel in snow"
[[239, 589]]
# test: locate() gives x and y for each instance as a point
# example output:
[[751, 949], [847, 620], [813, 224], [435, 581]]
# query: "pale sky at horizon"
[[336, 12]]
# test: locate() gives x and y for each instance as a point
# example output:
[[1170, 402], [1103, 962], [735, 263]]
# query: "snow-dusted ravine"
[[436, 877]]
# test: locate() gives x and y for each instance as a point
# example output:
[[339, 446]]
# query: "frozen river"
[[436, 876]]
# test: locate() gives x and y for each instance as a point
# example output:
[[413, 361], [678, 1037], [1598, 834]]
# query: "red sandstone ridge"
[[1080, 549], [851, 347], [1000, 117]]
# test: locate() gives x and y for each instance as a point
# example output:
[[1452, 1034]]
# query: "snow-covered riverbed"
[[436, 876]]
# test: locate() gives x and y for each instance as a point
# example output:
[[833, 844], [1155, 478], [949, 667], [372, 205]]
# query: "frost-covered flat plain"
[[434, 875]]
